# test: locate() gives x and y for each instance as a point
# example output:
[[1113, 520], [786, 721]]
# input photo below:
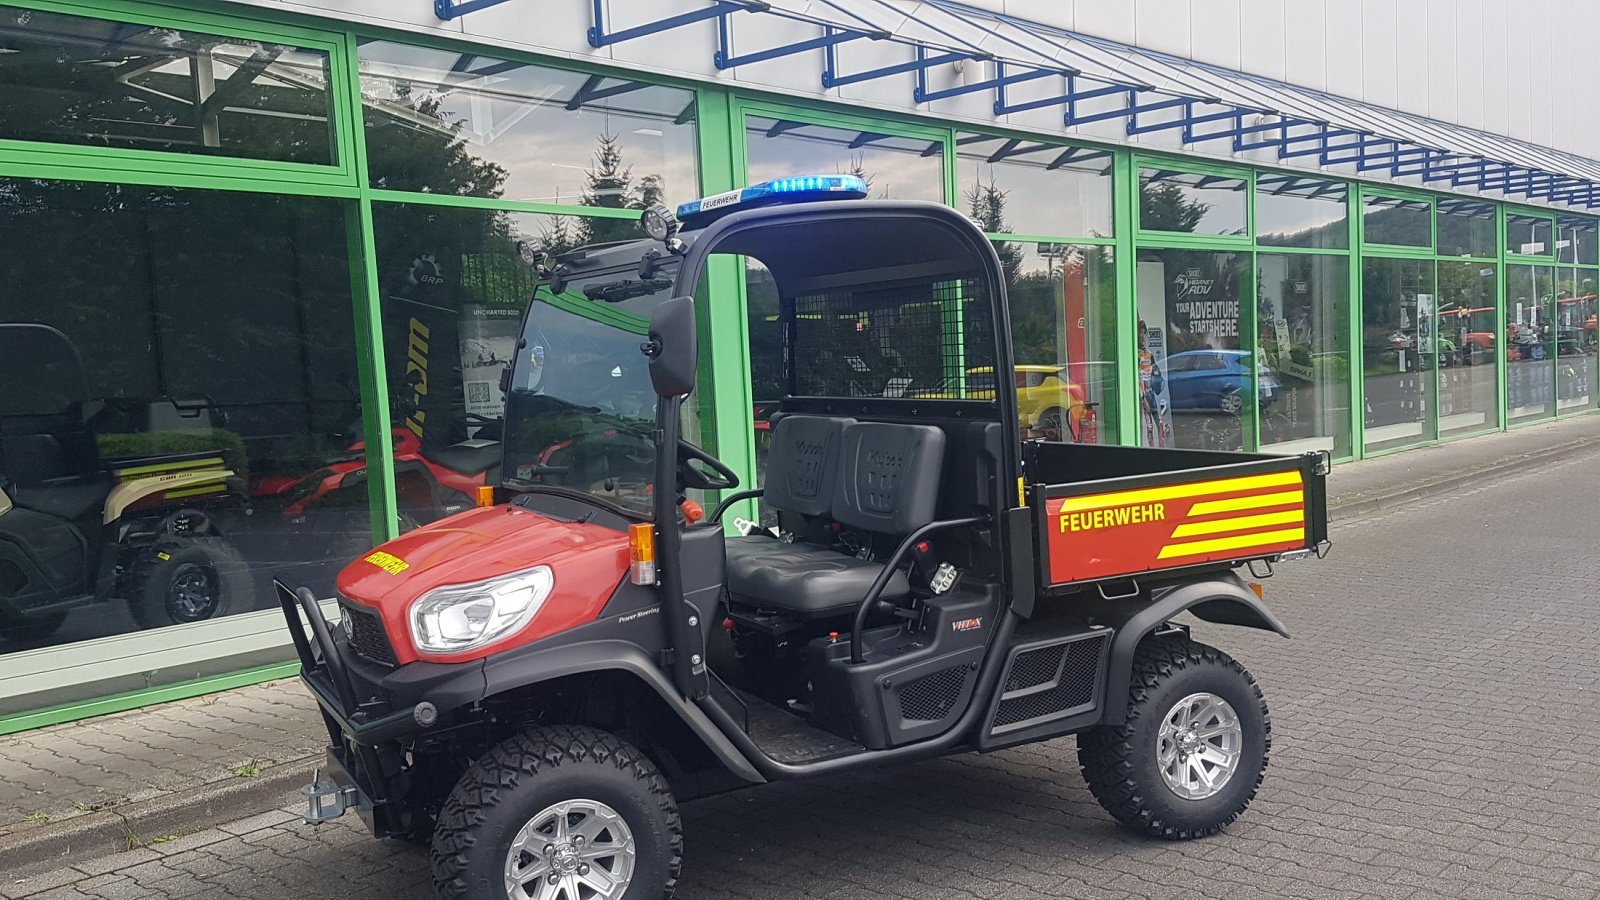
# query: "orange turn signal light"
[[642, 553], [1256, 586], [485, 495]]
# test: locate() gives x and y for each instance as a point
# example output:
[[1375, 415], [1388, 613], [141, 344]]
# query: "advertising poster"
[[1155, 403], [488, 338]]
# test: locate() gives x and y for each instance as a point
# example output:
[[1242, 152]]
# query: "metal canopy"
[[1092, 79]]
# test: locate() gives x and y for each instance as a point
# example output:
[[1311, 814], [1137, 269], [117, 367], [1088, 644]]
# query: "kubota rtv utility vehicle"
[[528, 686]]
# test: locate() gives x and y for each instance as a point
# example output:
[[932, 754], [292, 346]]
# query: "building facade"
[[259, 269]]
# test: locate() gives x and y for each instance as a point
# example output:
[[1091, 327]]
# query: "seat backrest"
[[803, 464], [889, 476]]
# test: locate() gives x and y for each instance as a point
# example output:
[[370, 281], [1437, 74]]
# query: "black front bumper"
[[372, 712]]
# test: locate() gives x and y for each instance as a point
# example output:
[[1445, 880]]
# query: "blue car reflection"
[[1216, 379]]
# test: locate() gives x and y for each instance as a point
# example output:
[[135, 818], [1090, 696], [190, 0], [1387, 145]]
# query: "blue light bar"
[[799, 189]]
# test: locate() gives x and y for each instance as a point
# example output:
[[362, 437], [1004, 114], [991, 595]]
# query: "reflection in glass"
[[214, 398], [1398, 349], [1292, 211], [1198, 387], [1063, 330], [1042, 188], [1304, 303], [1391, 220], [1528, 235], [1466, 339], [447, 122], [1576, 370], [1530, 337], [1191, 202], [1576, 240], [896, 168], [78, 80], [454, 295], [1466, 227]]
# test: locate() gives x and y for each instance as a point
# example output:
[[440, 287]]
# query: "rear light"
[[642, 553], [485, 495]]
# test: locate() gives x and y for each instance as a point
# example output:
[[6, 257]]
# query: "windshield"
[[581, 408]]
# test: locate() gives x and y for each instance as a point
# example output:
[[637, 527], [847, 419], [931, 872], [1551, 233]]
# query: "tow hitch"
[[327, 800]]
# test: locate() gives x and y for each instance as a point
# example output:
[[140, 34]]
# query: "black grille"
[[929, 698], [367, 637], [1079, 674]]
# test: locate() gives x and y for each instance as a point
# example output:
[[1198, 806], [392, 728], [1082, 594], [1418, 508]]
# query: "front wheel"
[[188, 579], [1193, 748], [559, 813]]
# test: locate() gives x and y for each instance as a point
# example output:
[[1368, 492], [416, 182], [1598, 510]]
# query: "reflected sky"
[[1048, 189], [1191, 202], [542, 125], [1301, 212], [896, 168]]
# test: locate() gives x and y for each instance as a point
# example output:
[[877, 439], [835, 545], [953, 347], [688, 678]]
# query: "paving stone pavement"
[[1434, 723]]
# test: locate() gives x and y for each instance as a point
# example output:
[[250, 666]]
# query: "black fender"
[[1225, 600], [587, 657]]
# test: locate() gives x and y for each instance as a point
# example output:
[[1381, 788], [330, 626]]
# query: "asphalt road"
[[1436, 720]]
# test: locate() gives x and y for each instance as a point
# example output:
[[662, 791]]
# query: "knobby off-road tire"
[[1122, 764], [518, 783], [188, 579]]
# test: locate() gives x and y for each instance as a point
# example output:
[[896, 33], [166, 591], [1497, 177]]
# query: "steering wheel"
[[720, 478]]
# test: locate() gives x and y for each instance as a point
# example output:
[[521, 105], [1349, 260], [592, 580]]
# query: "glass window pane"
[[1466, 227], [1397, 312], [1195, 381], [1191, 202], [456, 123], [1390, 220], [1466, 337], [1576, 240], [1063, 330], [138, 344], [1292, 211], [455, 295], [1029, 187], [1305, 346], [895, 168], [1528, 235], [78, 80], [1575, 339], [1530, 337]]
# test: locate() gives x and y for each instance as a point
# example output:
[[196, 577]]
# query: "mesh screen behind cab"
[[921, 339]]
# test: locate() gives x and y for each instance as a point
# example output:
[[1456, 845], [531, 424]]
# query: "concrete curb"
[[134, 825], [1359, 506]]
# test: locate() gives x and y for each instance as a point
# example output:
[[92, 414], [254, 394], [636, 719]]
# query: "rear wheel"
[[191, 579], [559, 813], [1193, 748]]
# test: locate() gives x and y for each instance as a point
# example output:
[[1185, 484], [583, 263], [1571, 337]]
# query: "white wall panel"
[[1112, 19], [1413, 56], [1216, 32], [1165, 25], [1519, 73], [1306, 39], [1380, 64], [1342, 25], [1471, 103], [1263, 42], [1440, 81]]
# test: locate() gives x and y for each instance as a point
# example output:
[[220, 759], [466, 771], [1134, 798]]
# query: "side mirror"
[[673, 349]]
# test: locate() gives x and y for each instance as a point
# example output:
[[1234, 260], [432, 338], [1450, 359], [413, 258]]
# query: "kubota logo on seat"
[[388, 562]]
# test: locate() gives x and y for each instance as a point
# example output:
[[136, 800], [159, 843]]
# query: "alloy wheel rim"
[[573, 850], [193, 594], [1199, 745]]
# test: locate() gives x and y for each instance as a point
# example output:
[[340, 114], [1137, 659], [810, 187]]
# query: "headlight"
[[462, 617]]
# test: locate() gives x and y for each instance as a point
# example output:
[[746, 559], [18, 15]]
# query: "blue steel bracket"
[[1321, 137], [1130, 110], [1190, 120], [599, 37], [446, 10], [725, 59], [998, 83], [831, 78], [1238, 134], [1003, 107]]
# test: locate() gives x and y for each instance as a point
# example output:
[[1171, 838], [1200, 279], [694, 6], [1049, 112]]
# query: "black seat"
[[464, 458], [879, 478]]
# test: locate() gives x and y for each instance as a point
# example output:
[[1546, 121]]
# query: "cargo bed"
[[1106, 513]]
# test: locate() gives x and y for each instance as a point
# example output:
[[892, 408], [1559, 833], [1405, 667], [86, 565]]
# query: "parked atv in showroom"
[[76, 529]]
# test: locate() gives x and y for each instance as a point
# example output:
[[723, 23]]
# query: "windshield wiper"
[[626, 289]]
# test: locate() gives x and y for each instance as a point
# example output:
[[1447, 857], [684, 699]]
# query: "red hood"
[[588, 562]]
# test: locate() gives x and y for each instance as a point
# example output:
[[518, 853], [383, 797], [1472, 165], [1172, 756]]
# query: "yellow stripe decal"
[[1259, 501], [1240, 523], [207, 463], [1173, 492], [210, 489], [1217, 545]]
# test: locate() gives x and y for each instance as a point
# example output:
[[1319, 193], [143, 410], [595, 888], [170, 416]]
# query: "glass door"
[[1530, 336], [1399, 345]]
